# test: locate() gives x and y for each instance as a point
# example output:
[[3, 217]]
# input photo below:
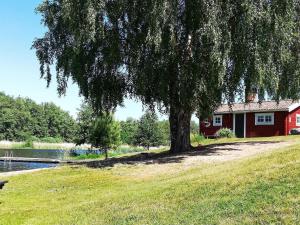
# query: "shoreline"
[[20, 172], [42, 146]]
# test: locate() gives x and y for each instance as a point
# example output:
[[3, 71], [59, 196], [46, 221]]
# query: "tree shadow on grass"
[[168, 158]]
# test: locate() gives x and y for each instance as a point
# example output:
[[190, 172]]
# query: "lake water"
[[18, 166], [34, 153], [45, 154]]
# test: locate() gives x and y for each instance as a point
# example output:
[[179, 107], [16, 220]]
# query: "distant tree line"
[[148, 131], [22, 119]]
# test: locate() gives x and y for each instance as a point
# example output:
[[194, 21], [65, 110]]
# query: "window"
[[266, 119], [217, 121], [298, 120]]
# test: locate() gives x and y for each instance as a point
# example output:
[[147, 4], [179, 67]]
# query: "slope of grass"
[[263, 190]]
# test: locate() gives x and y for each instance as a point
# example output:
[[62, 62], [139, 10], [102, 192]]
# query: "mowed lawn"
[[262, 189]]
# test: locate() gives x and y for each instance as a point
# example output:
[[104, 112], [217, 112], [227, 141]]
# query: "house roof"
[[265, 106]]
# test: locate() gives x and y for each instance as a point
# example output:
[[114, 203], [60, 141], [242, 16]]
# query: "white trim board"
[[294, 106]]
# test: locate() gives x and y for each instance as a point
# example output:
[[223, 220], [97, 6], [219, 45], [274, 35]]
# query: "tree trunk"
[[180, 130], [106, 154]]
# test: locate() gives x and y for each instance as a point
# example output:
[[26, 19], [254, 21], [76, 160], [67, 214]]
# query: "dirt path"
[[226, 152]]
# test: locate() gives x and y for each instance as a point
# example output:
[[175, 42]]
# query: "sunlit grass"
[[264, 189]]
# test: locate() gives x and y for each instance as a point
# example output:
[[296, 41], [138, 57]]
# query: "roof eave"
[[253, 111]]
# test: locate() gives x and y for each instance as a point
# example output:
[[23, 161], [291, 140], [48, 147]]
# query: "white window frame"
[[264, 115], [214, 121], [297, 116]]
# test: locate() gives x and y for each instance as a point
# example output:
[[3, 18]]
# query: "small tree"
[[105, 133], [85, 119], [148, 132], [164, 127], [128, 130]]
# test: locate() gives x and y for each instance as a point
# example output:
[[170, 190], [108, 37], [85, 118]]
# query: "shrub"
[[28, 144], [34, 139], [225, 133], [197, 138], [51, 140]]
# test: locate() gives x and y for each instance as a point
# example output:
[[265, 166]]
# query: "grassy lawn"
[[264, 189]]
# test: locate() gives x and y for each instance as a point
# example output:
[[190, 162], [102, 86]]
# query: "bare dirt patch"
[[226, 152], [208, 154]]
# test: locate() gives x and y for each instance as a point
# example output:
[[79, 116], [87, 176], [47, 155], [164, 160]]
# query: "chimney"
[[252, 95]]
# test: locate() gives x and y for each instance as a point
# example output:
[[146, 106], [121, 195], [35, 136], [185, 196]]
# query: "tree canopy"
[[105, 133], [182, 56], [148, 132], [22, 119]]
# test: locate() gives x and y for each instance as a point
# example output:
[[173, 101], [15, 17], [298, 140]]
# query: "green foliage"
[[28, 144], [225, 133], [148, 132], [197, 138], [85, 120], [51, 140], [183, 56], [258, 190], [126, 149], [21, 119], [164, 127], [128, 129], [194, 127], [87, 156], [130, 126], [105, 133]]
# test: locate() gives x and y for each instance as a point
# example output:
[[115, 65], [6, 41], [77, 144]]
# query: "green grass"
[[119, 152], [264, 189]]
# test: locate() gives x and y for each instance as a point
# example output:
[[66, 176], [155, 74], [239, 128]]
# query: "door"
[[239, 125]]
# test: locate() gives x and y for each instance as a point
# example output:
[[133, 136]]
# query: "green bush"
[[88, 156], [34, 139], [225, 133], [51, 140], [28, 144], [197, 138]]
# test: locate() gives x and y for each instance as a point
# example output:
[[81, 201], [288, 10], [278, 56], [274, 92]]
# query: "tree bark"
[[180, 130], [106, 154]]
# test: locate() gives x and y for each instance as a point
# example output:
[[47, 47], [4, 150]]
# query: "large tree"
[[181, 55]]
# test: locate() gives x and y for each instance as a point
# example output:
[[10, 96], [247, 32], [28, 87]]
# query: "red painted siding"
[[211, 130], [279, 127], [283, 123], [291, 120]]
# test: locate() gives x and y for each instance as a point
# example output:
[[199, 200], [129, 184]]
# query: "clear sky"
[[19, 68]]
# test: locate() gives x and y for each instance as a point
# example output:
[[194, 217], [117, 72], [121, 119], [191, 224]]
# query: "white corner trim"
[[294, 106]]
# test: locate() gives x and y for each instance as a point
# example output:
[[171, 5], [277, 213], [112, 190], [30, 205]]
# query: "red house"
[[268, 118]]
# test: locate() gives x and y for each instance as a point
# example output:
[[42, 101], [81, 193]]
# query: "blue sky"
[[19, 69]]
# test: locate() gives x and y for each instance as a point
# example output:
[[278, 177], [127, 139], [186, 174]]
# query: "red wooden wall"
[[292, 120], [279, 128], [283, 123], [211, 130]]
